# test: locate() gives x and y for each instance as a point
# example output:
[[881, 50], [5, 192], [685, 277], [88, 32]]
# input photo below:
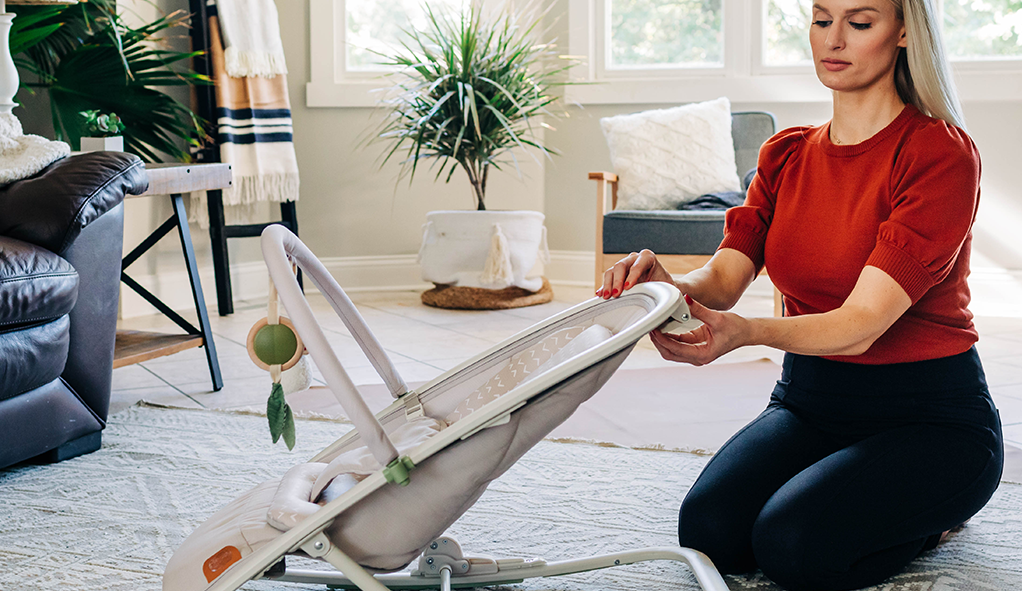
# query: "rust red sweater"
[[903, 201]]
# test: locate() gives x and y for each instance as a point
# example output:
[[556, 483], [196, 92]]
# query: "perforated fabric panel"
[[517, 370]]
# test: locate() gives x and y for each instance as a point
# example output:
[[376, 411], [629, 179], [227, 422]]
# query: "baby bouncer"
[[382, 495]]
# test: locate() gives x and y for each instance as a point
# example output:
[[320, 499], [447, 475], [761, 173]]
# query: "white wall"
[[350, 207]]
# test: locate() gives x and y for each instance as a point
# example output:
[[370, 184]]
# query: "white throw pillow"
[[668, 157]]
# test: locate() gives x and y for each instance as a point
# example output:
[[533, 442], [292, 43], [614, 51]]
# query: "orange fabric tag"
[[219, 562]]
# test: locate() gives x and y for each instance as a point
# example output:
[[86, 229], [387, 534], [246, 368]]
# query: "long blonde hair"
[[922, 74]]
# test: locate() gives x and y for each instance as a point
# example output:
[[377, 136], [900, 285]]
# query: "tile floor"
[[425, 341]]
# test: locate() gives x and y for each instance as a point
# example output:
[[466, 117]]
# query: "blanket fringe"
[[246, 64], [274, 188], [241, 201]]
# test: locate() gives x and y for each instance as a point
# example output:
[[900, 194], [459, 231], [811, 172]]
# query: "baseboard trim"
[[354, 274]]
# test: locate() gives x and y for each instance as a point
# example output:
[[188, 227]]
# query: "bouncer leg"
[[512, 571], [321, 547]]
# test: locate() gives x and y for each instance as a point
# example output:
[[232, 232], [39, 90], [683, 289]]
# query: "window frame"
[[330, 83], [743, 77]]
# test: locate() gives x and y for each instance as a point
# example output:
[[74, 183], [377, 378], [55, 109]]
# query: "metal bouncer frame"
[[442, 565]]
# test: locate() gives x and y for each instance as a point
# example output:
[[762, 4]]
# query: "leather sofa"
[[60, 264]]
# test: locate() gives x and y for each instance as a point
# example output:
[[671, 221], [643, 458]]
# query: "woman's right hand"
[[637, 267]]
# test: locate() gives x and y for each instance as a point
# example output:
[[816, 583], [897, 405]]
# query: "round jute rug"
[[476, 298]]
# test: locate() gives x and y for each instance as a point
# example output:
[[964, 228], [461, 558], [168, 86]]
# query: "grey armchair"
[[683, 240]]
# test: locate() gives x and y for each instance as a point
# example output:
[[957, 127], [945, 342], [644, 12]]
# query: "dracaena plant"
[[470, 89]]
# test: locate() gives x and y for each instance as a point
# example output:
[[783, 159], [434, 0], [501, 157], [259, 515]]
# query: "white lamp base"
[[9, 80]]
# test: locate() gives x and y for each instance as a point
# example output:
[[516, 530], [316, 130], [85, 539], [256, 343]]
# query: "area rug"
[[110, 520]]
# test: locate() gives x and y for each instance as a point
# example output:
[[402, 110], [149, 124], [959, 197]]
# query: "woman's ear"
[[903, 39]]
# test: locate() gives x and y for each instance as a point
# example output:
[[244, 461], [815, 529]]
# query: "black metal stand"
[[219, 231], [179, 220]]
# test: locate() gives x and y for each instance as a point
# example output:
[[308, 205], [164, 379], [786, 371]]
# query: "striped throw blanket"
[[254, 132]]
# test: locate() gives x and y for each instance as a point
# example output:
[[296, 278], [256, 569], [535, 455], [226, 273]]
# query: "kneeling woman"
[[880, 434]]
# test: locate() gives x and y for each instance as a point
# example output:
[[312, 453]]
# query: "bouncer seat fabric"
[[389, 529]]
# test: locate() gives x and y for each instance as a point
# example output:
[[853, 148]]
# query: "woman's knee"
[[779, 544], [799, 550], [709, 526]]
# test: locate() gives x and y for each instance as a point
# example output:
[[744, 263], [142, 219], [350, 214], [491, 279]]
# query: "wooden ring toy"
[[267, 349]]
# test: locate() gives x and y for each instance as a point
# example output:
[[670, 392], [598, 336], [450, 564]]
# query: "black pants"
[[849, 472]]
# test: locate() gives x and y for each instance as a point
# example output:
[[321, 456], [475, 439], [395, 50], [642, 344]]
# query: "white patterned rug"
[[110, 520]]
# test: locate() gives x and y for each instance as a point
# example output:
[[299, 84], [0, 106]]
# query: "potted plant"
[[103, 132], [470, 89], [86, 57]]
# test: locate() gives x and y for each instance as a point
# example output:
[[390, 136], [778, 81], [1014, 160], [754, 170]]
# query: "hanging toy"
[[274, 345]]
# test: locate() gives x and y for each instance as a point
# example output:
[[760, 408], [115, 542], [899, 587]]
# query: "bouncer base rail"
[[517, 570]]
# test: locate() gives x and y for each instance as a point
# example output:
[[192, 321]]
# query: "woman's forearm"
[[845, 331], [876, 302], [721, 282]]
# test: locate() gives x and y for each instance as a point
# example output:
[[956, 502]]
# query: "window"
[[373, 27], [665, 51], [344, 36], [758, 50], [973, 30], [983, 29], [659, 33], [786, 33]]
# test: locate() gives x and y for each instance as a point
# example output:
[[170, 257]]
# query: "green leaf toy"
[[274, 345]]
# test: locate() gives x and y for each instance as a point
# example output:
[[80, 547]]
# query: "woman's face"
[[855, 42]]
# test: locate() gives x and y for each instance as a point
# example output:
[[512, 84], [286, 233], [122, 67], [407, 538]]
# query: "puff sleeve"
[[934, 198], [745, 226]]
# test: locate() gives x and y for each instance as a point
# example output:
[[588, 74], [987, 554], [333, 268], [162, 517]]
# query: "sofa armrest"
[[51, 208]]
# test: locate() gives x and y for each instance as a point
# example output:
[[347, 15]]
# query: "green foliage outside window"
[[787, 33], [379, 27], [983, 28], [659, 32]]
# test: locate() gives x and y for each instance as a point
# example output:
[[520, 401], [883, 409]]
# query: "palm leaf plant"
[[31, 29], [88, 59], [470, 89]]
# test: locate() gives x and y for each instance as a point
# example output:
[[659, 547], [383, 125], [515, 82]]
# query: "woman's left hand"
[[720, 333]]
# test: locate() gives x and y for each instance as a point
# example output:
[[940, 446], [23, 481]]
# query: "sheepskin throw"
[[22, 156], [668, 157]]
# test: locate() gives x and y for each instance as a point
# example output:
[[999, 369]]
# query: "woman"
[[880, 434]]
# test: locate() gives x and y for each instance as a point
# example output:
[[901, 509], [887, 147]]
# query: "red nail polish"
[[628, 286], [614, 293], [688, 299]]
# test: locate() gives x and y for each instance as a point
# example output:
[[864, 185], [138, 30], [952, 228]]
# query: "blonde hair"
[[922, 74]]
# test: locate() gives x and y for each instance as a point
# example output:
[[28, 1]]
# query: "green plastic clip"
[[397, 471]]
